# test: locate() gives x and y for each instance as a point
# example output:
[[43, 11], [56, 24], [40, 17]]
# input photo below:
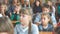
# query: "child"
[[58, 11], [26, 27], [45, 26], [3, 9], [15, 14], [11, 7], [26, 4], [50, 3], [5, 26], [46, 9], [37, 7]]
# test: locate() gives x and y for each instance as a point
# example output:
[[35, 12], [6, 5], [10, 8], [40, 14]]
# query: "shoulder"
[[34, 25], [17, 25], [34, 29], [40, 27], [50, 26]]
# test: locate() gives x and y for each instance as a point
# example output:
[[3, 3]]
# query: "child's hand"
[[38, 23], [17, 12]]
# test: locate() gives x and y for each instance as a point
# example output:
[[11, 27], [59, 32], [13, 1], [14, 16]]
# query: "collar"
[[23, 28], [45, 27]]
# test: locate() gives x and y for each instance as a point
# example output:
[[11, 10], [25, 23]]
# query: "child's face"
[[15, 1], [17, 8], [4, 33], [45, 20], [46, 10], [6, 1], [37, 3], [24, 19], [49, 3], [27, 3], [3, 7]]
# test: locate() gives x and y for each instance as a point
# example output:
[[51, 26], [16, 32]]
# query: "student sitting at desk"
[[45, 26], [26, 27], [15, 14]]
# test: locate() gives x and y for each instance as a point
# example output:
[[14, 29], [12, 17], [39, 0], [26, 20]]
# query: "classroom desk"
[[13, 22], [45, 33]]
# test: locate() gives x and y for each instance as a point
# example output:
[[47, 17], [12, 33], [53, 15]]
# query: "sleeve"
[[53, 10], [37, 19], [51, 28], [53, 19], [15, 30], [40, 28], [35, 30]]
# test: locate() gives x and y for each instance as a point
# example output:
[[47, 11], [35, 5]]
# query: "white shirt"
[[0, 15]]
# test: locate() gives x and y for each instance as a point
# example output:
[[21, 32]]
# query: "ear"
[[49, 19]]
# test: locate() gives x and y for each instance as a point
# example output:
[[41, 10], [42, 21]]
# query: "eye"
[[23, 15], [44, 18]]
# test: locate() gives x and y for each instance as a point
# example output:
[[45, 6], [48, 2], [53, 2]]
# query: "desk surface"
[[45, 32], [13, 22]]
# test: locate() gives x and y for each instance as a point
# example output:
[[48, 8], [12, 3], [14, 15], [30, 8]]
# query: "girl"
[[3, 9], [37, 7], [45, 26], [15, 14], [50, 3], [26, 27]]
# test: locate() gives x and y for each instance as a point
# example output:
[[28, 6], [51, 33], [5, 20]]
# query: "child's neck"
[[45, 26]]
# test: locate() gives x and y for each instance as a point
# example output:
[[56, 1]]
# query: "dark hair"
[[57, 30], [39, 2], [5, 25], [46, 5]]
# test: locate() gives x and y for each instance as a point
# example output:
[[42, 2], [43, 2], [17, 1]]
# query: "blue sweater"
[[49, 28], [19, 30]]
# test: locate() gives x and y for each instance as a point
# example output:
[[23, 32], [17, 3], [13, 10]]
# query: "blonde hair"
[[5, 25], [26, 11]]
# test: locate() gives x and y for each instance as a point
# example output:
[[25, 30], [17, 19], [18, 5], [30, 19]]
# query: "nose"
[[42, 20]]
